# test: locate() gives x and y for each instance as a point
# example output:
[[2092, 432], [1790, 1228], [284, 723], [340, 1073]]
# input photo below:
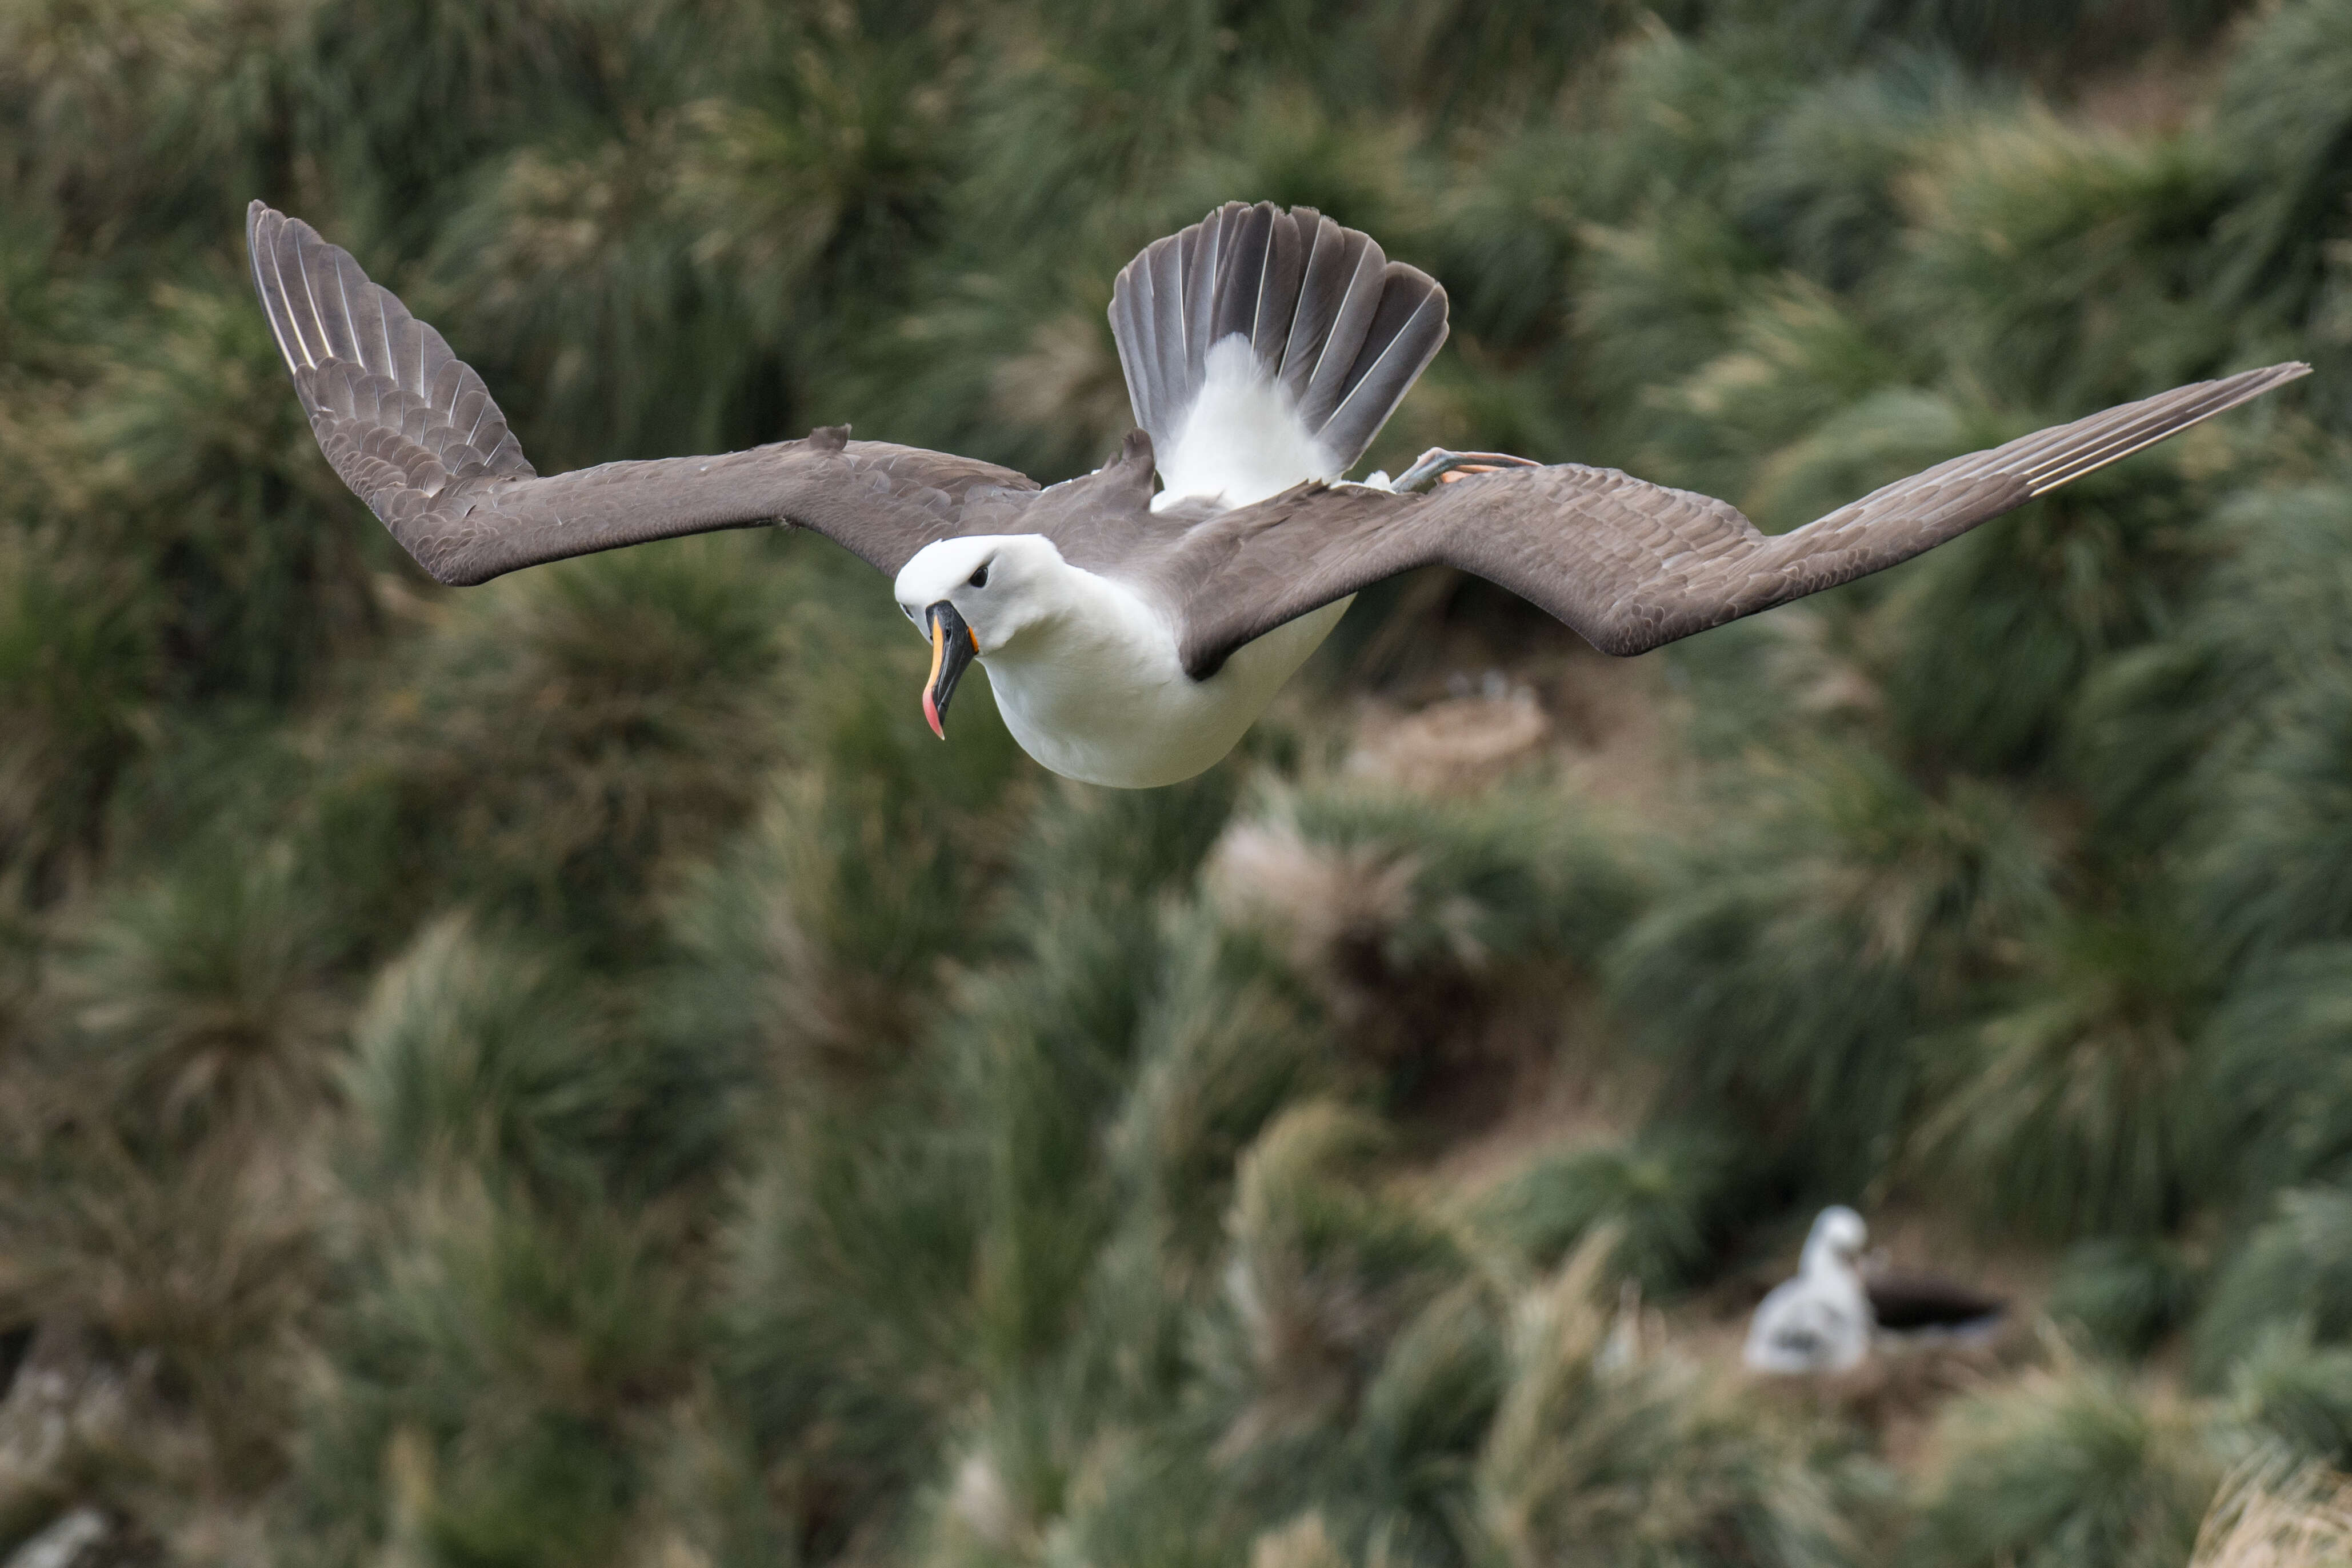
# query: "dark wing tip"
[[2119, 433]]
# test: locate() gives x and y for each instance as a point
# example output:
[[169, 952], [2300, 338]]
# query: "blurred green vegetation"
[[571, 1073]]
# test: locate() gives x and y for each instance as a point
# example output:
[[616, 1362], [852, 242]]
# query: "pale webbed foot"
[[1445, 466]]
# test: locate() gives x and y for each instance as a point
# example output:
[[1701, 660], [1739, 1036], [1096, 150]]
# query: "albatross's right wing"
[[1627, 564], [414, 433]]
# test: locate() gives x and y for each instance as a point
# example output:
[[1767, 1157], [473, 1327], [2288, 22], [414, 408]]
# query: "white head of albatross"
[[1133, 639], [971, 597], [1822, 1320]]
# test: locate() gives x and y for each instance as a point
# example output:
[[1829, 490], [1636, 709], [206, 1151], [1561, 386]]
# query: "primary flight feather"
[[1130, 637]]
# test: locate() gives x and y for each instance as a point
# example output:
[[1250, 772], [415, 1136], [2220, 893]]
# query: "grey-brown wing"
[[1629, 565], [416, 435]]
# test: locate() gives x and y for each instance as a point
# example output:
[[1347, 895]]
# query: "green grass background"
[[571, 1073]]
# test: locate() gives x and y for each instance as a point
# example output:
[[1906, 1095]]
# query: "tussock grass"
[[556, 739], [2079, 1112], [1662, 1196], [574, 1073], [2126, 1295], [2297, 1394], [2072, 1465], [1590, 1449], [2273, 1516], [76, 658], [2290, 1268]]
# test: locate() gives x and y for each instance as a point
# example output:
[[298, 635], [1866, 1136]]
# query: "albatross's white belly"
[[1104, 700]]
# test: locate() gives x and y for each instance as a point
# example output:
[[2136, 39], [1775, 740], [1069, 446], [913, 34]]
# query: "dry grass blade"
[[2273, 1515]]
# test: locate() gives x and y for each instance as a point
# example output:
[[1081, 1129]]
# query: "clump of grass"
[[258, 570], [2021, 220], [1660, 1194], [1792, 972], [1419, 922], [1403, 1479], [407, 102], [2275, 1514], [2276, 1048], [1125, 1497], [75, 687], [2077, 1111], [2071, 1464], [2296, 1266], [1658, 301], [206, 996], [1324, 1271], [849, 1320], [1229, 1041], [508, 1360], [562, 268], [558, 740], [2280, 859], [2035, 602], [2126, 1295], [1825, 190], [824, 934], [1304, 1543], [198, 1278], [163, 1179], [2281, 127], [2265, 656], [1043, 1046], [1778, 420], [1596, 1452], [1139, 843], [2297, 1394], [137, 124], [484, 1054]]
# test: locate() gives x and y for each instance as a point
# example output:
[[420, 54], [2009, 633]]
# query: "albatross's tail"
[[1265, 347]]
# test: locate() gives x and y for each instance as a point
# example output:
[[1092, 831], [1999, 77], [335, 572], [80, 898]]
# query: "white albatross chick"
[[1822, 1320]]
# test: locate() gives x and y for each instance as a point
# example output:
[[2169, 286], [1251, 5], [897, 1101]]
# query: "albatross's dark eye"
[[980, 578]]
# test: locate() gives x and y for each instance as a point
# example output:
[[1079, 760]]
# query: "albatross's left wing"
[[1629, 564], [412, 429]]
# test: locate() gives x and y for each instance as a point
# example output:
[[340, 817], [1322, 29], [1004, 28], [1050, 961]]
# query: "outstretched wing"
[[416, 435], [1629, 564]]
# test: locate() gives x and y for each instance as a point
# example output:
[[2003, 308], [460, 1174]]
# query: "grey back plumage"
[[1345, 330]]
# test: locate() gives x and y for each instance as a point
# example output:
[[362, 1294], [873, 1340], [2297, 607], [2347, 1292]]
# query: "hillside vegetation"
[[571, 1073]]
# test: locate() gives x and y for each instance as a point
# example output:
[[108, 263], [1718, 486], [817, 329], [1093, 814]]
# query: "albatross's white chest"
[[1097, 692]]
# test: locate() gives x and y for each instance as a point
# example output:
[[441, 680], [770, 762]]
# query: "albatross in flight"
[[1132, 637]]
